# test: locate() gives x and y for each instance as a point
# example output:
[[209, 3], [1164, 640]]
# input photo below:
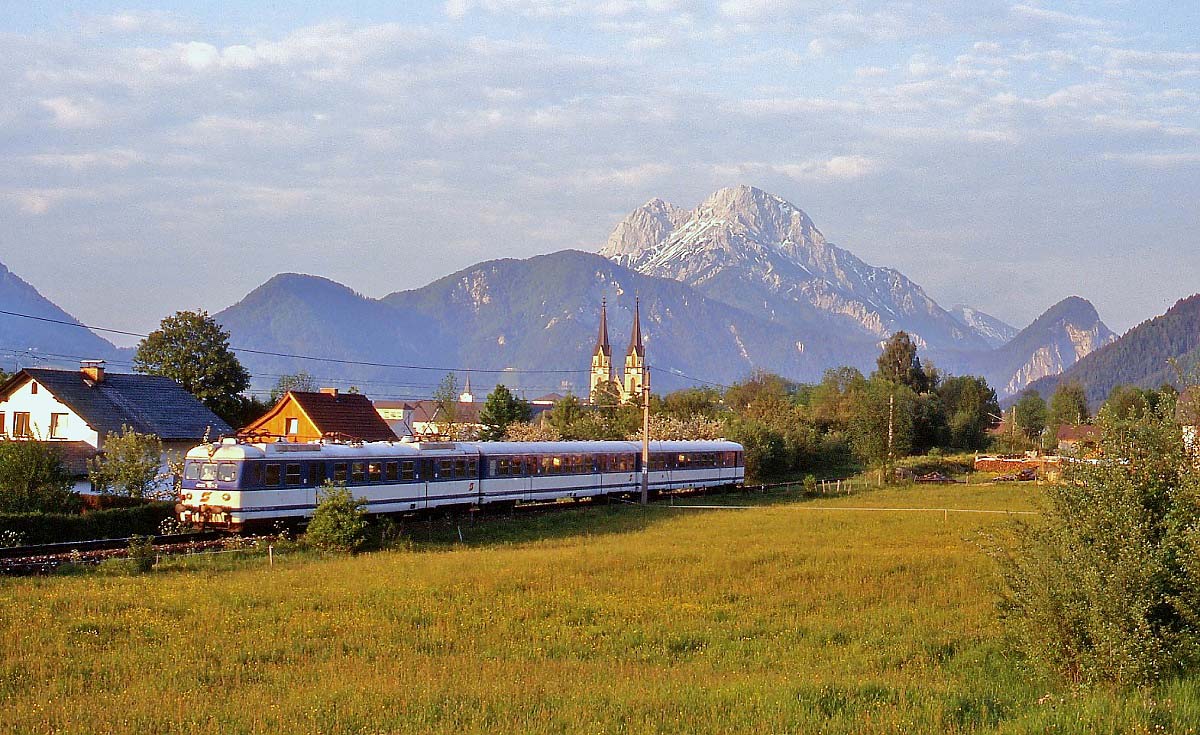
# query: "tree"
[[192, 349], [340, 520], [499, 411], [567, 412], [759, 386], [898, 363], [1031, 413], [532, 432], [883, 409], [1127, 402], [689, 402], [832, 400], [33, 479], [969, 403], [131, 464], [1105, 585], [1068, 405], [445, 399], [300, 381]]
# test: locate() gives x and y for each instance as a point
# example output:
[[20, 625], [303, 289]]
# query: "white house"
[[78, 408]]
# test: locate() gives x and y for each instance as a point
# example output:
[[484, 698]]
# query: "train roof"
[[230, 450]]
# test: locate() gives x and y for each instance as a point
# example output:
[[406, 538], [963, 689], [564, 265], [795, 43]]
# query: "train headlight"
[[225, 496], [189, 496]]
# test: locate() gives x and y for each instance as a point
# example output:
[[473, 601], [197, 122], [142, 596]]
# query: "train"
[[238, 483]]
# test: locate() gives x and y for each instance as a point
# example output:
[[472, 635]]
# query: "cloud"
[[74, 112]]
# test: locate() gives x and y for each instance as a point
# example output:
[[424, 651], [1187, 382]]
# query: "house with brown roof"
[[76, 410], [301, 416], [1078, 438]]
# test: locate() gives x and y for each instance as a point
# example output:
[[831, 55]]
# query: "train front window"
[[208, 471], [191, 471], [227, 472]]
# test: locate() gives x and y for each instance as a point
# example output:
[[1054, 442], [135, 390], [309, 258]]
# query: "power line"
[[677, 373], [334, 360]]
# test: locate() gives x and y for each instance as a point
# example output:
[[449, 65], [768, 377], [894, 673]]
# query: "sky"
[[175, 155]]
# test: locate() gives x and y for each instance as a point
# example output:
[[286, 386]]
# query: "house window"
[[33, 388], [58, 426], [21, 427], [3, 427], [293, 427]]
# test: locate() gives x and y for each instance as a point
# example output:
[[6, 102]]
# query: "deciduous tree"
[[131, 464], [192, 349], [898, 363], [300, 381], [33, 479]]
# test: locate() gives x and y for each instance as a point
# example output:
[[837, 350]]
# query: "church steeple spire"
[[602, 374], [602, 346], [635, 339], [635, 358]]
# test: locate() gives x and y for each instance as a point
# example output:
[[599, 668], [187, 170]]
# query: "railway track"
[[45, 558]]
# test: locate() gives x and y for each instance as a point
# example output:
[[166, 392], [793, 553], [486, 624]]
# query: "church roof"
[[635, 339], [602, 346]]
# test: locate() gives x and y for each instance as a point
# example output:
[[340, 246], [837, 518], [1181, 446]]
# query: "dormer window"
[[293, 427]]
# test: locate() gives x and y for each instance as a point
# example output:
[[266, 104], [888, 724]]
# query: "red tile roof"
[[345, 415]]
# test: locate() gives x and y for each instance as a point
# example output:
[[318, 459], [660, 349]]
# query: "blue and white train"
[[235, 484]]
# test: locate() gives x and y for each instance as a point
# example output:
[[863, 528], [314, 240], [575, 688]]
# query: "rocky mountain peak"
[[644, 228], [764, 217]]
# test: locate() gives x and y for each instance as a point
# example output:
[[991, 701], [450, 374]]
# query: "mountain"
[[762, 254], [29, 342], [535, 314], [992, 330], [1140, 357], [1066, 333]]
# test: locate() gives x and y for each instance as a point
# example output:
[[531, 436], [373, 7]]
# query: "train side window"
[[252, 476], [316, 473], [473, 467], [358, 471], [191, 471], [272, 475], [227, 472], [391, 471], [407, 470], [292, 474], [460, 468], [339, 472], [374, 472]]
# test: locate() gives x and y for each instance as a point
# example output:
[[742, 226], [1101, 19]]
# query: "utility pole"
[[646, 437]]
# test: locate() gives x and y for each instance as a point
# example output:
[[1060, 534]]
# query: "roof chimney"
[[92, 370], [330, 391]]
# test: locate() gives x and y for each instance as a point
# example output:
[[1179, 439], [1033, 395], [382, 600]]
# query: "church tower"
[[602, 373], [636, 377]]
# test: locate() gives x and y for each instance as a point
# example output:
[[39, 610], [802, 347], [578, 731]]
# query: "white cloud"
[[71, 112]]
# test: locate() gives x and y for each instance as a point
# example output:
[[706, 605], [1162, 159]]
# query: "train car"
[[236, 484]]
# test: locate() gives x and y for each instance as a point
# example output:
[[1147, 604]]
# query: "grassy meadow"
[[781, 618]]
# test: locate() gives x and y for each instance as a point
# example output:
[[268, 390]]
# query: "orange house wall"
[[275, 424]]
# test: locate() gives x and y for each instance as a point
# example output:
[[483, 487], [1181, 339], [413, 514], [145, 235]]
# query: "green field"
[[780, 618]]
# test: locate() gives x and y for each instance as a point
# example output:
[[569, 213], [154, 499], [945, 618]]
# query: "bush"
[[1105, 586], [339, 522], [33, 480], [48, 528], [141, 553]]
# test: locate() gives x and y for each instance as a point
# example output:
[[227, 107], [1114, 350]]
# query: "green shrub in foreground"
[[339, 522]]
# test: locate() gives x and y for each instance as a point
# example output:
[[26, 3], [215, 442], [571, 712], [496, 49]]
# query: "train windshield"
[[207, 471]]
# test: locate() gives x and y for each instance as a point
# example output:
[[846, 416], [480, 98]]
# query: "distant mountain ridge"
[[1140, 356], [29, 342], [743, 281], [754, 250]]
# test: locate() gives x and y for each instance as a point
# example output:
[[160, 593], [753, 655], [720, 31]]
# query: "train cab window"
[[272, 475], [227, 472], [391, 471], [339, 472], [291, 475], [408, 470], [191, 471], [208, 471], [374, 471], [358, 471], [316, 473]]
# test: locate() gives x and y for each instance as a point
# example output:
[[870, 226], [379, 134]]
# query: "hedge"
[[49, 528]]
